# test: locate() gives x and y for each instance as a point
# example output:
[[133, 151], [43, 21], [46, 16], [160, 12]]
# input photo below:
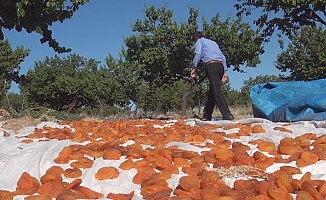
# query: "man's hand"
[[193, 72], [224, 78]]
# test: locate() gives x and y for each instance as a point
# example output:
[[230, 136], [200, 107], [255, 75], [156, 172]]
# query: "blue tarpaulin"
[[290, 101]]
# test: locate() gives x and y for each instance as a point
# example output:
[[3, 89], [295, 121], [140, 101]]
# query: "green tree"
[[163, 49], [10, 65], [244, 95], [231, 95], [14, 103], [284, 15], [37, 16], [241, 45], [305, 56], [67, 83], [126, 79]]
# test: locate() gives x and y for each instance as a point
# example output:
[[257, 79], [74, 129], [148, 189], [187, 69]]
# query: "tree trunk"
[[190, 92], [193, 86]]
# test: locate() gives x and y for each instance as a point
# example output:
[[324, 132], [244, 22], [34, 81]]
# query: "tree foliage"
[[126, 79], [14, 104], [161, 47], [10, 65], [37, 16], [162, 50], [152, 71], [240, 44], [284, 15], [305, 56], [67, 83]]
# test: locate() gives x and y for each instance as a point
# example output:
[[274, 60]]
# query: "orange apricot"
[[224, 154], [72, 173], [189, 182], [127, 164], [52, 188], [120, 196], [290, 169], [140, 177], [106, 173]]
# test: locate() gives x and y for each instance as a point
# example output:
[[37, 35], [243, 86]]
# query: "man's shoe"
[[230, 117], [206, 118]]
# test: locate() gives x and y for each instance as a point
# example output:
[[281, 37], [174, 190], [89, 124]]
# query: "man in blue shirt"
[[215, 67]]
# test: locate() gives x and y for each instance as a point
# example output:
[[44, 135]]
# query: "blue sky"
[[98, 28]]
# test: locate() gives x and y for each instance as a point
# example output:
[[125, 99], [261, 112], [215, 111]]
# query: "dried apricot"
[[282, 129], [303, 195], [309, 156], [322, 189], [52, 188], [120, 196], [73, 184], [27, 184], [160, 194], [25, 181], [284, 181], [82, 163], [72, 173], [266, 146], [181, 162], [320, 140], [162, 162], [6, 195], [89, 193], [277, 193], [290, 169], [289, 149], [245, 184], [57, 169], [140, 177], [71, 194], [38, 197], [127, 164], [189, 182], [320, 151], [112, 154], [263, 187], [258, 129], [51, 176], [106, 173], [224, 154], [308, 187]]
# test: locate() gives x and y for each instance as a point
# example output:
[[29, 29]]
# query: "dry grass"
[[7, 122], [241, 112], [238, 112], [241, 171], [19, 123]]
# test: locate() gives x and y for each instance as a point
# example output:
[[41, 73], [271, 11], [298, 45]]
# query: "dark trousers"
[[215, 73]]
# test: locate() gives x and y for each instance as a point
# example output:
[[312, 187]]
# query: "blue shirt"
[[207, 50]]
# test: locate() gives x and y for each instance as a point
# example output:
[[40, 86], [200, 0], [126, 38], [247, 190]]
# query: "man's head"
[[197, 35]]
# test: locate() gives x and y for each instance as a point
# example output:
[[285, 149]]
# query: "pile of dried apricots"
[[158, 162]]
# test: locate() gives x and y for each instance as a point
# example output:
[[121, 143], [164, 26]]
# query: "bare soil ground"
[[19, 123]]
